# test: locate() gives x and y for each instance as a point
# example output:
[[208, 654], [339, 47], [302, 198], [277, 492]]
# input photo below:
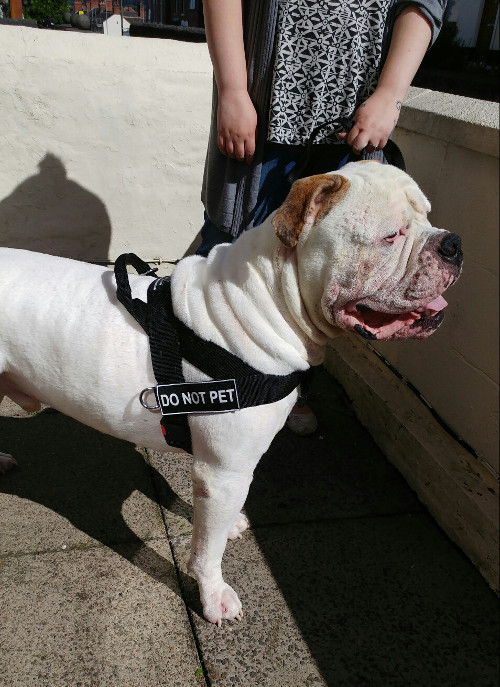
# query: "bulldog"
[[349, 251]]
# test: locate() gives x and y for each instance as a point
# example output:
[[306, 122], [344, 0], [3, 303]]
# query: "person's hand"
[[374, 120], [236, 125]]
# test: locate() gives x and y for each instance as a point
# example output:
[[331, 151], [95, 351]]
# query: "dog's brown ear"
[[309, 200]]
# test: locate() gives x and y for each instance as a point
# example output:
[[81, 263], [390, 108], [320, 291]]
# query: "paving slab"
[[345, 579], [93, 617], [266, 647], [82, 485], [315, 477], [383, 602], [89, 592], [338, 472]]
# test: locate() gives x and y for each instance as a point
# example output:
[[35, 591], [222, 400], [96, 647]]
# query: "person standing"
[[281, 69]]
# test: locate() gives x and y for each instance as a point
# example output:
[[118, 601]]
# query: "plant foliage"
[[46, 9]]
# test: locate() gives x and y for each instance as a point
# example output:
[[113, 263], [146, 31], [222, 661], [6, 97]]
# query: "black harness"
[[234, 384]]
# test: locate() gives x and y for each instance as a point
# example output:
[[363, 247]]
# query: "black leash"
[[391, 151]]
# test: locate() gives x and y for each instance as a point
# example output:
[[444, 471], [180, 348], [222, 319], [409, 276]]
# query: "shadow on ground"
[[85, 477], [378, 593]]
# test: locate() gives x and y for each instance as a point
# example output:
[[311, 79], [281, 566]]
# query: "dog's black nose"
[[450, 249]]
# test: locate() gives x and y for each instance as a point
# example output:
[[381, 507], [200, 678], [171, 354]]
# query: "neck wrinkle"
[[237, 297], [314, 338]]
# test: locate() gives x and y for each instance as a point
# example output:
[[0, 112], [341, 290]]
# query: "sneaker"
[[302, 421]]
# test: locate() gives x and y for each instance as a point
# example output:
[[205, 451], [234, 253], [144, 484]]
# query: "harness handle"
[[392, 152], [137, 308]]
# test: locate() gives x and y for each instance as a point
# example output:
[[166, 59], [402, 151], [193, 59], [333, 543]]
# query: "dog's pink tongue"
[[437, 304]]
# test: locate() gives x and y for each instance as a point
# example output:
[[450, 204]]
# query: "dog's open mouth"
[[372, 324]]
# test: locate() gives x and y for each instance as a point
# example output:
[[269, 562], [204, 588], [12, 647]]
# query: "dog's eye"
[[392, 237]]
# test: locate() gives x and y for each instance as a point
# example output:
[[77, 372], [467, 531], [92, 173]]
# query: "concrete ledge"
[[459, 492], [465, 122]]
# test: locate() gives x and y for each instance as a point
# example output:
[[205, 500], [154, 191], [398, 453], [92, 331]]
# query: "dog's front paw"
[[240, 525], [222, 604], [6, 462]]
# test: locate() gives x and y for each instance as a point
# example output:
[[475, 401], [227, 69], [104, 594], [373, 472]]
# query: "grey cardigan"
[[230, 188]]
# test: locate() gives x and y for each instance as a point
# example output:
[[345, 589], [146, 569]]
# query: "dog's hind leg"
[[9, 388], [6, 462], [239, 526], [28, 403]]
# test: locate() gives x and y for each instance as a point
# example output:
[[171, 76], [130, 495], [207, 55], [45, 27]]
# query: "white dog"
[[346, 251]]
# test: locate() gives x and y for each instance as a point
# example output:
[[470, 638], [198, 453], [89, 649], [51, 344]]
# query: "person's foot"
[[302, 420]]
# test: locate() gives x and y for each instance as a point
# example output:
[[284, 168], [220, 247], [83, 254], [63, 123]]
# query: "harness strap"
[[171, 341], [254, 387], [137, 308], [162, 336], [164, 341]]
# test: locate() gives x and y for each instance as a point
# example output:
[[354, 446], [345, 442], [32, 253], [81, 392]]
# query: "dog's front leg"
[[227, 448], [218, 496]]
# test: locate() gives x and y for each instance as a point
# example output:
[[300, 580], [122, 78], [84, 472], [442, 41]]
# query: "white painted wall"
[[102, 152], [451, 148], [103, 143]]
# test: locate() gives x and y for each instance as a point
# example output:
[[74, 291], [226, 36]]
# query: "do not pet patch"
[[218, 396]]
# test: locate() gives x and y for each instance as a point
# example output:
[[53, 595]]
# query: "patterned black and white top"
[[327, 63]]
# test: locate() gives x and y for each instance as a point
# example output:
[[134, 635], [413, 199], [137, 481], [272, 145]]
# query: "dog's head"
[[366, 257]]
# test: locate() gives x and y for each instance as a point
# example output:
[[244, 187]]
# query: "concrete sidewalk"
[[345, 579]]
